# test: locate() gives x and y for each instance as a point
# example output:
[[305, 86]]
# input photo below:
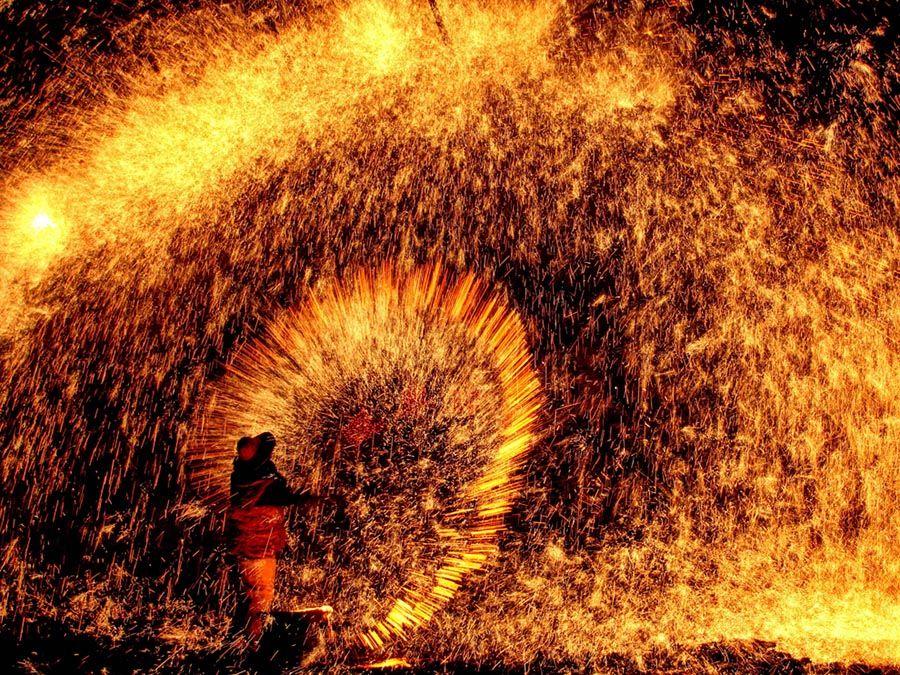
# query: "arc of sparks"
[[257, 388]]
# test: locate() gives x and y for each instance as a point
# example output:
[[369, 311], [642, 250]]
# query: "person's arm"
[[305, 499], [279, 493]]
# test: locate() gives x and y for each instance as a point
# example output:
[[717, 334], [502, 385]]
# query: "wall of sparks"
[[700, 236]]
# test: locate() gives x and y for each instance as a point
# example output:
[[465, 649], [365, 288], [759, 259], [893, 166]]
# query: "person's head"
[[256, 448]]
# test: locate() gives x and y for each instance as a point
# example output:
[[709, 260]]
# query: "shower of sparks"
[[452, 450], [702, 248]]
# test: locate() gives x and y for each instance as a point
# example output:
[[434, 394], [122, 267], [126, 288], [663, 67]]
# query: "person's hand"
[[312, 501], [336, 499]]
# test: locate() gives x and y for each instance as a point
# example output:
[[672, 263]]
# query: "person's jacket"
[[255, 525]]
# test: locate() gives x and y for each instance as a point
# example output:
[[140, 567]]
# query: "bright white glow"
[[42, 222]]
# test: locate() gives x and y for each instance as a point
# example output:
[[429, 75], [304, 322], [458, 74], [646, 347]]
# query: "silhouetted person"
[[256, 528]]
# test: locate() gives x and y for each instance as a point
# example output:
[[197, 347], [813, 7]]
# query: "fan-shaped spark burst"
[[412, 397]]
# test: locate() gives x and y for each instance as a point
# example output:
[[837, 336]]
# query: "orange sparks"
[[370, 325]]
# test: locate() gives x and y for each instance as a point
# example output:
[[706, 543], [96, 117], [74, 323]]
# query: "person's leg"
[[258, 576], [242, 599]]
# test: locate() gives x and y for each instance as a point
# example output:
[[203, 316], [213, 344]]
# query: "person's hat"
[[266, 443], [246, 448]]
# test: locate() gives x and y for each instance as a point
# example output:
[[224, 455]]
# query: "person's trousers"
[[258, 592]]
